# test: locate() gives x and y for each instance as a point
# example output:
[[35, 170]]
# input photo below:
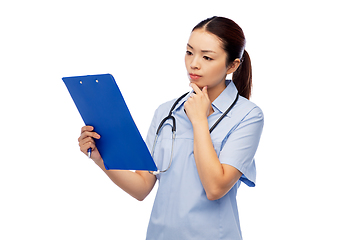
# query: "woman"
[[201, 172]]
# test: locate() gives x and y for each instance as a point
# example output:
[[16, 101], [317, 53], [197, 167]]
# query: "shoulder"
[[247, 109], [164, 108], [166, 105]]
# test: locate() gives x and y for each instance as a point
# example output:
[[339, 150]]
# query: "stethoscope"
[[170, 117]]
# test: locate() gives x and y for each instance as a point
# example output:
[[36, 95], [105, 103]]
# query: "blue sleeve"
[[151, 132], [241, 145]]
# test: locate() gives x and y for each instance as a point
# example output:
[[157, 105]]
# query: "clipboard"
[[101, 105]]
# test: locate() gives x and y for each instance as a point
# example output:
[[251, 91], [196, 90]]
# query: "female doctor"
[[217, 133]]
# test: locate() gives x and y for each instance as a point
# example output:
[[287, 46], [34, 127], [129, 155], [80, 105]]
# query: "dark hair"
[[233, 40]]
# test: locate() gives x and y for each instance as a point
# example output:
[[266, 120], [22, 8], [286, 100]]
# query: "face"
[[205, 60]]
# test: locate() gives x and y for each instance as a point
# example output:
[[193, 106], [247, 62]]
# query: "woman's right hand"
[[86, 141]]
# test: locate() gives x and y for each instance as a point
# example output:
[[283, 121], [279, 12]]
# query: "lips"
[[194, 76]]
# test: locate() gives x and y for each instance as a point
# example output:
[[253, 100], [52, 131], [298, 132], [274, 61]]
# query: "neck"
[[215, 91]]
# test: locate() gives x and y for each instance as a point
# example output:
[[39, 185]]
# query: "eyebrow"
[[204, 51]]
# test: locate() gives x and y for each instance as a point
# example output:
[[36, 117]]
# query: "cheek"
[[186, 61], [218, 71]]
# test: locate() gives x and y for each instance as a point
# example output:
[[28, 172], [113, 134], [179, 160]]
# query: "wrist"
[[99, 162], [200, 124]]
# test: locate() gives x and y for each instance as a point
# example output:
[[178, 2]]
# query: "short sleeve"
[[240, 146], [159, 114], [151, 132]]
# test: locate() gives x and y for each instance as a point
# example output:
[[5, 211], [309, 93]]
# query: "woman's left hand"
[[198, 106]]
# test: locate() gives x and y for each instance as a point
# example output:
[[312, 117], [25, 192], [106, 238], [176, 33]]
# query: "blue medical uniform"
[[181, 209]]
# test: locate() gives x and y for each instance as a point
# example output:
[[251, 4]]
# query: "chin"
[[200, 85]]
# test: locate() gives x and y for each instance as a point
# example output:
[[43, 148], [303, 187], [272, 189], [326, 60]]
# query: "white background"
[[305, 57]]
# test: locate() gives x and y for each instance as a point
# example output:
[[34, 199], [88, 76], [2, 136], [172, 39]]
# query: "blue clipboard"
[[101, 105]]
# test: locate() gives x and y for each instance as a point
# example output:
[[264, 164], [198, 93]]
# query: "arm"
[[138, 184], [216, 178]]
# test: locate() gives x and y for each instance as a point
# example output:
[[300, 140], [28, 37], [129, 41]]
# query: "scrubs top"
[[181, 209]]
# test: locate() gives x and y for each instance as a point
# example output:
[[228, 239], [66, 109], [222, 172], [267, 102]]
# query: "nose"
[[195, 64]]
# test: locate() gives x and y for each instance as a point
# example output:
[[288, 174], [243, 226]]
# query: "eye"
[[188, 53], [207, 58]]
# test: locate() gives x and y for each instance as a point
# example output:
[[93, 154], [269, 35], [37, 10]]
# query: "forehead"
[[203, 40]]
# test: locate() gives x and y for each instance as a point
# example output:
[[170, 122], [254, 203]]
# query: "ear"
[[233, 66]]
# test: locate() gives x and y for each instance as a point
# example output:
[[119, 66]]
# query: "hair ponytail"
[[233, 40], [242, 77]]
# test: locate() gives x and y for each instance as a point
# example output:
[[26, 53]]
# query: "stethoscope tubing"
[[174, 129], [224, 114]]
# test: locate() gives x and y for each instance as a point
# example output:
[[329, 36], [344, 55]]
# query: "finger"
[[204, 91], [87, 128], [84, 148], [85, 141], [88, 134], [85, 135], [195, 88]]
